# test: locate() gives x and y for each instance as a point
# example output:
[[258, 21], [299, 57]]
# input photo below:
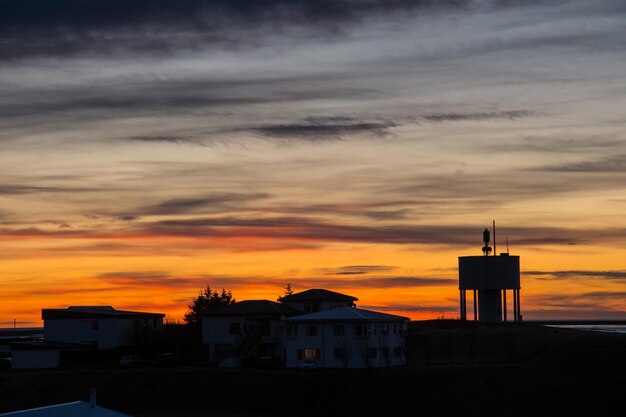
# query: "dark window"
[[397, 351], [311, 330], [372, 353], [384, 351], [264, 328], [95, 325], [311, 308], [339, 353], [384, 329], [234, 328], [359, 330], [291, 330], [338, 330]]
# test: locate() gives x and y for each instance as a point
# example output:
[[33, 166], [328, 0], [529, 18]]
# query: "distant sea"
[[594, 328]]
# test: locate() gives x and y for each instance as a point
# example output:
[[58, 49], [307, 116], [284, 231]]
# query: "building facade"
[[346, 337], [102, 327], [245, 331]]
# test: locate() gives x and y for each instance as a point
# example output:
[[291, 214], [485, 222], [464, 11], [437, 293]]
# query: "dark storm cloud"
[[45, 28], [578, 274], [316, 129], [459, 117]]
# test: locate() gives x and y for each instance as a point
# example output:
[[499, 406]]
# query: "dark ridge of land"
[[453, 368]]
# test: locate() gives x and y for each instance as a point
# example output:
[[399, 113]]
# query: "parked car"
[[132, 361], [308, 364], [6, 363], [166, 359], [269, 362]]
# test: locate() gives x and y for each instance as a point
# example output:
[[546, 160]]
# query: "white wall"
[[356, 347], [29, 359], [215, 331], [110, 332]]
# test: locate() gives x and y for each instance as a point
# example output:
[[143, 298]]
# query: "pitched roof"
[[74, 409], [318, 294], [253, 308], [347, 314], [93, 312]]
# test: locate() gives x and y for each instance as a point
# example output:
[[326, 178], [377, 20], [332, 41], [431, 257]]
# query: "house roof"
[[93, 312], [74, 409], [318, 294], [254, 308], [347, 314]]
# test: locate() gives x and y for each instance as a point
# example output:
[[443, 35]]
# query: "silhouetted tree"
[[288, 291], [205, 301]]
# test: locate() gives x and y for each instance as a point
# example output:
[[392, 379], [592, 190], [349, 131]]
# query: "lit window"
[[308, 354]]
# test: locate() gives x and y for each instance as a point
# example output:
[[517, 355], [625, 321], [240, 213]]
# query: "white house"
[[101, 326], [346, 337], [317, 299], [247, 329]]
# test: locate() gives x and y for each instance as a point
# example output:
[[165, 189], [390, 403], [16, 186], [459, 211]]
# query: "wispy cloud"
[[578, 274], [616, 164], [321, 129], [210, 203], [494, 115], [356, 270], [179, 140]]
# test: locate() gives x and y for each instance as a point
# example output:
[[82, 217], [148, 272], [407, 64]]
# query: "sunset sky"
[[151, 147]]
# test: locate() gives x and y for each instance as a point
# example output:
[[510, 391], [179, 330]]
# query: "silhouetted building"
[[314, 300], [489, 278], [100, 326]]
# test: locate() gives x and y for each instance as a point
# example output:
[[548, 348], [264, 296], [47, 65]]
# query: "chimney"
[[92, 398]]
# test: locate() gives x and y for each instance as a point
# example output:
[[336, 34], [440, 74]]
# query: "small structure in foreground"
[[73, 409]]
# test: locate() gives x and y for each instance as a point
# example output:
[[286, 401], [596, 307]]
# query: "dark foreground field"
[[503, 370]]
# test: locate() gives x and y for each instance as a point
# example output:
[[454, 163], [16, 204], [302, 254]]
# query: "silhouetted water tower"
[[489, 277]]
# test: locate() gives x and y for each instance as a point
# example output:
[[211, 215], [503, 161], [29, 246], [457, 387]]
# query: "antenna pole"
[[494, 238]]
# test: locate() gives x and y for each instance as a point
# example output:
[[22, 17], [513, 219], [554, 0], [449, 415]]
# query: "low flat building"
[[102, 327]]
